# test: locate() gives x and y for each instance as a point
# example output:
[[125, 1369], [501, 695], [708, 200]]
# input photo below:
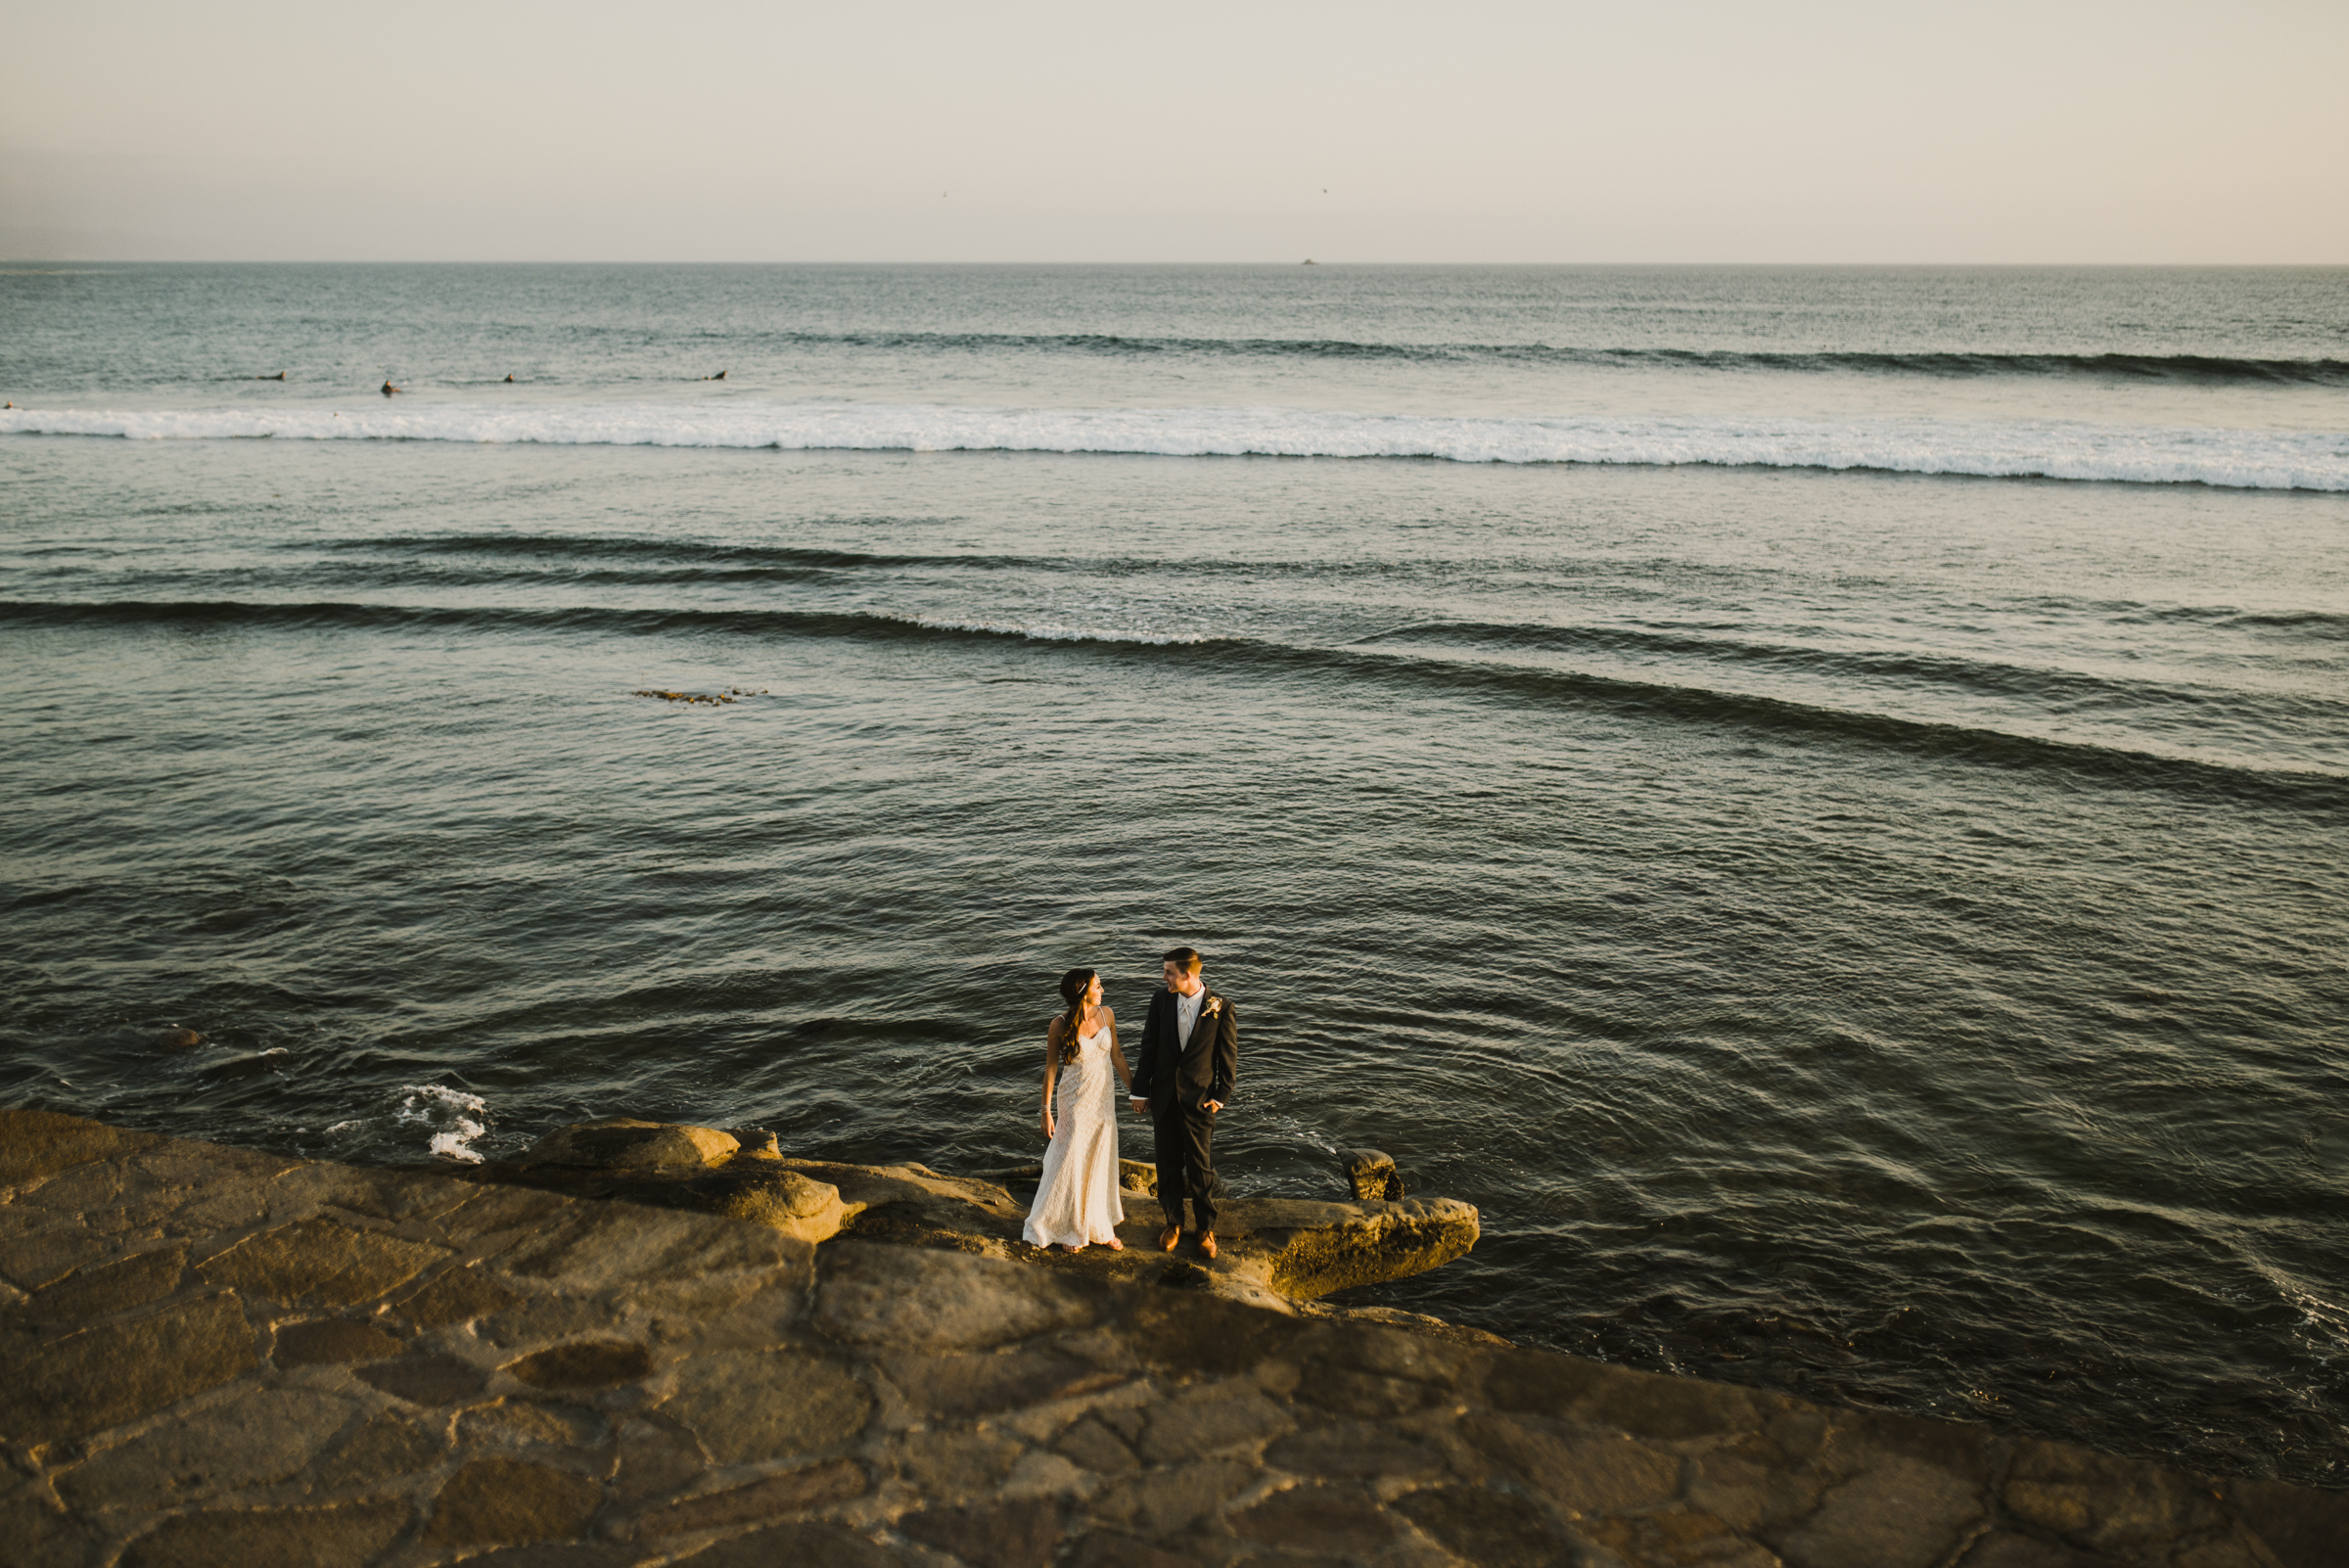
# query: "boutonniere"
[[1214, 1005]]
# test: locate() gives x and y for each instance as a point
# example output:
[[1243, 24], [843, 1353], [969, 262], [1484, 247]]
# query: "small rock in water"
[[1372, 1174], [181, 1037]]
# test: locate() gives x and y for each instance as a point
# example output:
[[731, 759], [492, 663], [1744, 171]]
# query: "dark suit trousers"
[[1184, 1169]]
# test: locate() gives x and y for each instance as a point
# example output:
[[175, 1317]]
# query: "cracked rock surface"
[[215, 1357]]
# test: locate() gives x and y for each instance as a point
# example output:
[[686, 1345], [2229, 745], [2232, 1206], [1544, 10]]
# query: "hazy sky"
[[2047, 131]]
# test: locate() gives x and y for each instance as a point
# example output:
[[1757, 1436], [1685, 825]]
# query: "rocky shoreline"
[[1281, 1253], [209, 1356]]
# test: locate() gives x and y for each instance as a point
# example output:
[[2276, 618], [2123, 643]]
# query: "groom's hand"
[[1139, 1105], [1210, 1106]]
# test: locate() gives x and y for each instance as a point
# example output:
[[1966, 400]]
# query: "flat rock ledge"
[[1276, 1253], [216, 1356]]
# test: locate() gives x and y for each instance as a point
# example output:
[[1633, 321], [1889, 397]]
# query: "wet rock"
[[676, 1387], [619, 1143], [1009, 1535], [1311, 1249], [935, 1301], [680, 1167], [1317, 1518], [262, 1436], [1371, 1176], [112, 1373], [426, 1380], [789, 1492], [318, 1262], [593, 1364], [343, 1531], [507, 1501], [788, 1201], [751, 1405], [333, 1340]]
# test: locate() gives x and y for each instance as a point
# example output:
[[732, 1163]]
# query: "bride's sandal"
[[1114, 1244]]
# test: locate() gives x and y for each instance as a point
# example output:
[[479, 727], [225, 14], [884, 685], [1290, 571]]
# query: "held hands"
[[1139, 1104]]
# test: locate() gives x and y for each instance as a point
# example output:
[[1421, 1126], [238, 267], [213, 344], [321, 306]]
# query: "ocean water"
[[1818, 799]]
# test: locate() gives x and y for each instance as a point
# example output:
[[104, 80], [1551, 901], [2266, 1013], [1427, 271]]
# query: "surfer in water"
[[388, 388]]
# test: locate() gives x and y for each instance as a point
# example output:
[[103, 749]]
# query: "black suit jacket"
[[1202, 1069]]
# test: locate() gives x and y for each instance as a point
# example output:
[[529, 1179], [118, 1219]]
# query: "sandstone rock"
[[1008, 1535], [1355, 1451], [100, 1376], [955, 1386], [665, 1377], [1317, 1518], [263, 1436], [1211, 1421], [751, 1405], [384, 1449], [2303, 1528], [502, 1501], [800, 1544], [41, 1143], [1585, 1469], [102, 1290], [522, 1424], [789, 1201], [331, 1537], [1091, 1443], [789, 1492], [680, 1166], [318, 1262], [39, 1534], [947, 1467], [1161, 1502], [1370, 1176], [455, 1297], [1491, 1529], [591, 1363], [937, 1300], [426, 1380], [1897, 1513], [620, 1143], [331, 1340]]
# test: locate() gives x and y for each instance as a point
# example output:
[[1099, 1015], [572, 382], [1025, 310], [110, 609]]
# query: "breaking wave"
[[2010, 448]]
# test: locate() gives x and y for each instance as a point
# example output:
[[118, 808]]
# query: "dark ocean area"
[[1818, 799]]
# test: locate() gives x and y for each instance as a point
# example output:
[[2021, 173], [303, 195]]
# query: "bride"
[[1078, 1201]]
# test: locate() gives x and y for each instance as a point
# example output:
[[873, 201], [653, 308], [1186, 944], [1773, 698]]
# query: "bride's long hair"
[[1073, 986]]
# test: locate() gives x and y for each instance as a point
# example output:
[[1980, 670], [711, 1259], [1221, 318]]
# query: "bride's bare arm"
[[1117, 1053], [1051, 1069]]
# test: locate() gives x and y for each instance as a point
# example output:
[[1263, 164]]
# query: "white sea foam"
[[1054, 632], [453, 1116], [2254, 459]]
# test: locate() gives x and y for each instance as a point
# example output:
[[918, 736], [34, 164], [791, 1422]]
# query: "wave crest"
[[2026, 448]]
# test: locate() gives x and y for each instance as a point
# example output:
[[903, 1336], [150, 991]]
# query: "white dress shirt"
[[1186, 1015]]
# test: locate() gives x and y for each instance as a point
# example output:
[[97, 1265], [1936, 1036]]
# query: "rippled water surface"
[[1854, 922]]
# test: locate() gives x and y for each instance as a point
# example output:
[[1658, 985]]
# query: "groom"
[[1190, 1055]]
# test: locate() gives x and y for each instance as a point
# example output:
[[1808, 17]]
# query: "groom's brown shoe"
[[1207, 1245], [1168, 1237]]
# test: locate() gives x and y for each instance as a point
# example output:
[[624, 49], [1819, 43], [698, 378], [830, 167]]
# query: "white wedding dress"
[[1078, 1204]]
